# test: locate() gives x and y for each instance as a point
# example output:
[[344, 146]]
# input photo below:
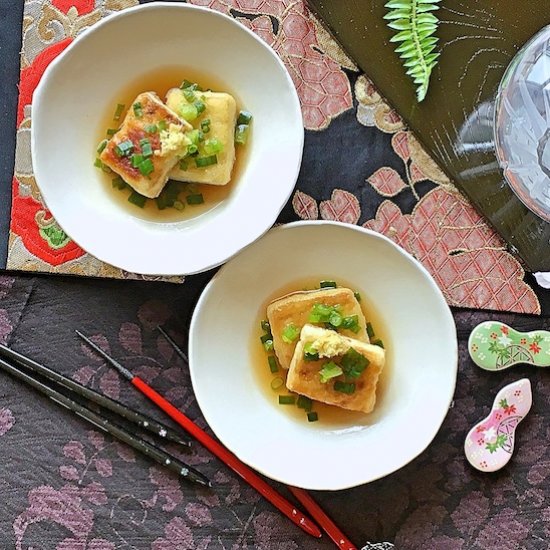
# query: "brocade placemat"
[[360, 165]]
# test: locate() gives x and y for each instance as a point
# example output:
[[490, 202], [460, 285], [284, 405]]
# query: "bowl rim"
[[449, 319], [258, 229]]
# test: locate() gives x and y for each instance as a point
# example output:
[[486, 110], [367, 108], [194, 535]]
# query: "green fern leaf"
[[415, 24]]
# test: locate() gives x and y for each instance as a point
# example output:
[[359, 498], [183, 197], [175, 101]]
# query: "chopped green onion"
[[187, 84], [178, 205], [119, 111], [102, 166], [101, 146], [287, 399], [194, 136], [188, 111], [200, 106], [205, 125], [137, 199], [273, 366], [195, 199], [321, 313], [290, 333], [264, 324], [304, 403], [379, 343], [344, 387], [213, 146], [268, 344], [335, 319], [146, 167], [124, 148], [136, 160], [189, 95], [357, 296], [203, 162], [183, 164], [138, 110], [312, 417], [118, 183], [370, 331], [112, 131], [162, 125], [244, 117], [146, 148], [353, 363], [241, 134], [265, 337], [351, 323], [192, 149], [277, 383], [330, 370], [169, 195], [327, 284], [310, 353], [151, 128]]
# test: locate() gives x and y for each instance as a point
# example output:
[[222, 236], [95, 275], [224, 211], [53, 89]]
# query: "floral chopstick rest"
[[495, 346], [490, 443]]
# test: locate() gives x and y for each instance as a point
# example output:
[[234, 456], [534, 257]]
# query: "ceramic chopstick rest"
[[495, 346], [490, 443]]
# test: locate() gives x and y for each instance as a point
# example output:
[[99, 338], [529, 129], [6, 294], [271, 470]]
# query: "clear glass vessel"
[[522, 124]]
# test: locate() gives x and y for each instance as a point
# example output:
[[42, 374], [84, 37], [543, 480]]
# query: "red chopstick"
[[318, 514], [216, 448]]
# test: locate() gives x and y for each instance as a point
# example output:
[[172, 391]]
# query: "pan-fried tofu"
[[221, 110], [293, 311], [127, 149], [358, 363]]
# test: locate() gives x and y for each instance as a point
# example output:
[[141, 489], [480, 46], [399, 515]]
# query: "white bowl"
[[418, 382], [82, 84]]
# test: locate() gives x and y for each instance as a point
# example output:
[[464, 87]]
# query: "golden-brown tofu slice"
[[304, 376], [167, 145], [221, 109], [294, 309]]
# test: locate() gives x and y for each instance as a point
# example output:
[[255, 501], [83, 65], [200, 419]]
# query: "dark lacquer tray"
[[455, 121]]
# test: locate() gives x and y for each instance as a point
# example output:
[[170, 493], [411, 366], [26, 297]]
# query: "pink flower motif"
[[7, 420], [75, 450], [48, 505], [287, 26], [178, 536], [465, 257], [504, 329], [387, 181], [5, 326], [168, 488], [130, 338], [342, 207], [305, 206]]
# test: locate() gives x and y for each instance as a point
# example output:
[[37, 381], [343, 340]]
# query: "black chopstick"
[[172, 342], [143, 421], [140, 445]]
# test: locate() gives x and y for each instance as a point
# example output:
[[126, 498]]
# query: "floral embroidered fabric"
[[360, 166]]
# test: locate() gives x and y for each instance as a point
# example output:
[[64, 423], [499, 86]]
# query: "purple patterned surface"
[[67, 487]]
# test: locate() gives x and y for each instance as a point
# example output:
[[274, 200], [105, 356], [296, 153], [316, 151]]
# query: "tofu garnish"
[[335, 369], [148, 145], [221, 110], [288, 314]]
